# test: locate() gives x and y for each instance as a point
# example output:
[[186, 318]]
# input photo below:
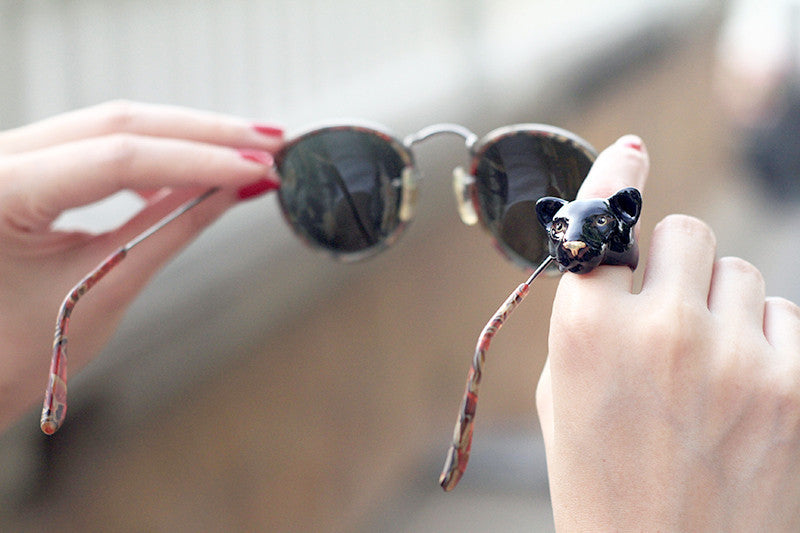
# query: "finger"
[[623, 164], [40, 185], [544, 405], [141, 119], [681, 260], [737, 294], [782, 325]]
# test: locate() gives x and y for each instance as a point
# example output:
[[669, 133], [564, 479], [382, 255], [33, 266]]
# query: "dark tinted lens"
[[341, 188], [512, 172]]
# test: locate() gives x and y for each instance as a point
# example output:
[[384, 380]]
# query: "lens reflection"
[[341, 188], [515, 170]]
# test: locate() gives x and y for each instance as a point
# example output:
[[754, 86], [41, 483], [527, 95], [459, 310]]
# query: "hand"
[[168, 155], [678, 408]]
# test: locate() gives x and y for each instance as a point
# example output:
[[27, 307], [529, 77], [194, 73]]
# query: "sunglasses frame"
[[478, 150], [409, 179], [465, 185]]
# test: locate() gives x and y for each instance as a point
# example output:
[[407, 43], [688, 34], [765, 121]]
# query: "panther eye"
[[602, 220]]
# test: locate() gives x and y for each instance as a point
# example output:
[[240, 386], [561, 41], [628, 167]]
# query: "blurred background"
[[259, 386]]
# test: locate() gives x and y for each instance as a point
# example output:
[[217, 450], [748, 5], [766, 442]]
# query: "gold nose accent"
[[408, 198], [574, 247], [463, 183]]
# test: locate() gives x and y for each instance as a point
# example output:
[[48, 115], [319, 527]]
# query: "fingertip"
[[623, 164], [633, 142]]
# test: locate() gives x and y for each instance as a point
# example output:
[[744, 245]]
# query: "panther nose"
[[575, 248]]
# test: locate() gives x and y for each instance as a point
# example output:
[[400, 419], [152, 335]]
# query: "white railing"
[[296, 61]]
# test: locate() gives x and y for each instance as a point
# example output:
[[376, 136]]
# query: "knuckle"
[[741, 267], [573, 327], [786, 394], [117, 115], [785, 306], [674, 328], [689, 225], [680, 312], [736, 363], [783, 397], [118, 152], [577, 311]]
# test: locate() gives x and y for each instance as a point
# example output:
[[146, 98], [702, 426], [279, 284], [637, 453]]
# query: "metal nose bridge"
[[470, 138]]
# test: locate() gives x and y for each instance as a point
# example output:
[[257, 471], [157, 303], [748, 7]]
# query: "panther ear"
[[547, 207], [626, 205]]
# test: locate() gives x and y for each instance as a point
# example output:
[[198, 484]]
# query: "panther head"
[[586, 233]]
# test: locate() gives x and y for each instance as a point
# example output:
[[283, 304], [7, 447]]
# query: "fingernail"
[[257, 156], [264, 185], [270, 130], [632, 141], [257, 189]]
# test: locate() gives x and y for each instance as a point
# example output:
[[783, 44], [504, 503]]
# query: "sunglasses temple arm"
[[54, 409], [458, 454], [172, 216]]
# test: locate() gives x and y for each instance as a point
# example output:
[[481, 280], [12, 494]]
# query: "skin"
[[166, 154], [677, 408]]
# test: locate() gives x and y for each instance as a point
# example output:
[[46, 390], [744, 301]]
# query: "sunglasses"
[[350, 189]]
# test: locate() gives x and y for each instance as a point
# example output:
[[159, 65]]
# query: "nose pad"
[[408, 199], [576, 249], [462, 183]]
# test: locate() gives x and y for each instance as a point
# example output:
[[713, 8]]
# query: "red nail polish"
[[257, 189], [257, 156], [632, 141], [269, 130], [635, 145]]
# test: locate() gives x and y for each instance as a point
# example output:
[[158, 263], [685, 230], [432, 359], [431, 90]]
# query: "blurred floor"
[[504, 489]]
